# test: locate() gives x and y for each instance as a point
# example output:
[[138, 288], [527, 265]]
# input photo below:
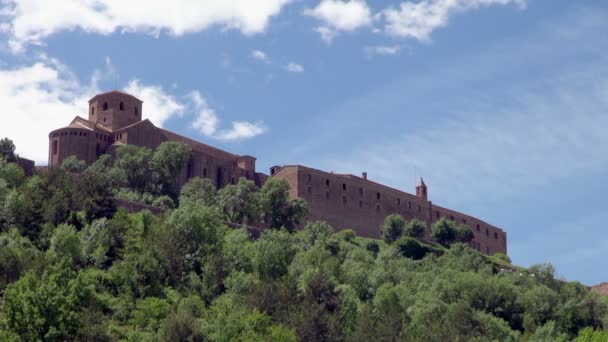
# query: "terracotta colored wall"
[[350, 202], [115, 118]]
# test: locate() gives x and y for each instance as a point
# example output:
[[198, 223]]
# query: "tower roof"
[[114, 92], [421, 183]]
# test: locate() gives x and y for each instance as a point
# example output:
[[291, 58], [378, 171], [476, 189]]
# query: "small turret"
[[421, 190]]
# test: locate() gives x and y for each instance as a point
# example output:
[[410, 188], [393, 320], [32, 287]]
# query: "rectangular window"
[[360, 204], [344, 186], [437, 214], [360, 191], [398, 201], [55, 147], [378, 195], [344, 200]]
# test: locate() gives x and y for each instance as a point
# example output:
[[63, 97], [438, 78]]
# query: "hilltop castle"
[[344, 201]]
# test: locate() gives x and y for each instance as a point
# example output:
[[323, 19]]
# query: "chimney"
[[364, 175]]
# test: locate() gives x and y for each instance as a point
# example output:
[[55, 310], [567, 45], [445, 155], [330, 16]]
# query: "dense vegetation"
[[72, 267]]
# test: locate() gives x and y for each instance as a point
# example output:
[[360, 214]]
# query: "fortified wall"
[[352, 202], [344, 201]]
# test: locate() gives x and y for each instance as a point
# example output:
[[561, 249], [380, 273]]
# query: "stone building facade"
[[353, 202], [344, 201], [115, 119]]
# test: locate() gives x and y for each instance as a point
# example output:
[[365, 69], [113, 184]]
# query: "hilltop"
[[75, 267]]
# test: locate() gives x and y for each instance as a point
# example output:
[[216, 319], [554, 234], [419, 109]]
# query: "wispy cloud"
[[207, 122], [419, 19], [382, 50], [260, 56], [294, 67]]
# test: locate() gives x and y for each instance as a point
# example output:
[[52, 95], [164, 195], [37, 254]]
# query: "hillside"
[[73, 267]]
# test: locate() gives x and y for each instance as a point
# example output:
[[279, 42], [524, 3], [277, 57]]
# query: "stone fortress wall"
[[344, 201], [352, 202]]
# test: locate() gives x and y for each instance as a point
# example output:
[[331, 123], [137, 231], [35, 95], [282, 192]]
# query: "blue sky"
[[501, 105]]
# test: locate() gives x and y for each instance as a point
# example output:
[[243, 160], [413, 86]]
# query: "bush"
[[347, 235], [392, 228], [503, 257], [415, 229], [444, 232], [411, 248]]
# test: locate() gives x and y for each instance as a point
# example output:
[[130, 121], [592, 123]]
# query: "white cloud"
[[207, 122], [260, 56], [31, 21], [383, 50], [37, 99], [338, 15], [158, 105], [419, 19], [294, 67]]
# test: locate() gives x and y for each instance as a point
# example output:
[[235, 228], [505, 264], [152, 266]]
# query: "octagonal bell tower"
[[115, 109]]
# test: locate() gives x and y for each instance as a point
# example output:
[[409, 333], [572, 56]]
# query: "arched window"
[[105, 106], [121, 106]]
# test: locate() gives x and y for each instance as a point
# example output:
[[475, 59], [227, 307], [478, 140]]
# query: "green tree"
[[415, 229], [392, 228], [7, 151], [444, 232], [133, 165], [11, 173], [45, 308], [590, 335], [73, 165], [273, 253], [279, 210], [199, 190], [66, 243], [464, 234], [240, 203], [168, 160]]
